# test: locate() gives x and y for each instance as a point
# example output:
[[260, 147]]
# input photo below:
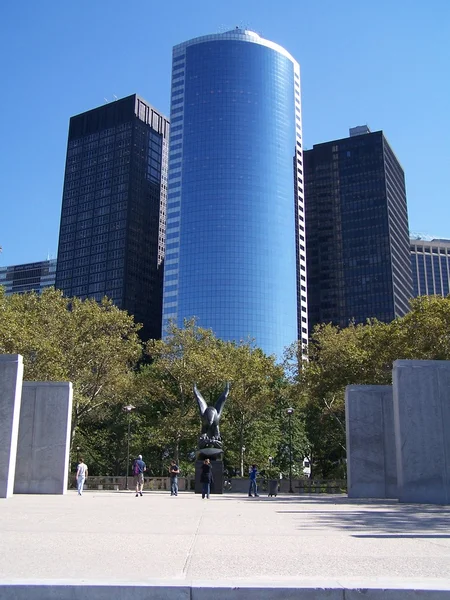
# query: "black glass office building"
[[357, 226], [235, 228], [112, 232], [430, 265]]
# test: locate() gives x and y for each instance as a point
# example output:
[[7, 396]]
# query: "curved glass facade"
[[233, 202]]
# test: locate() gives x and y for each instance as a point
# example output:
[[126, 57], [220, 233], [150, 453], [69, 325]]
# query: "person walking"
[[81, 476], [206, 478], [253, 489], [174, 472], [139, 467]]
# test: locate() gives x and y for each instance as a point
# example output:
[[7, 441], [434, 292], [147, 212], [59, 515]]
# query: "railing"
[[239, 485], [95, 482], [300, 486], [310, 486]]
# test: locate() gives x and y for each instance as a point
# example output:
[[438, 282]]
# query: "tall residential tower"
[[235, 224], [357, 226], [112, 234]]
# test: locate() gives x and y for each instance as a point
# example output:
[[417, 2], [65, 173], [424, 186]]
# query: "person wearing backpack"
[[139, 467]]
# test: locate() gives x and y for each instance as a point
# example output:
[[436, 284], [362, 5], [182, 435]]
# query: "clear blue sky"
[[380, 62]]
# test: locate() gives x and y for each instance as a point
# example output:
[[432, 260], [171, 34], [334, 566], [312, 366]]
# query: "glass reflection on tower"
[[235, 231]]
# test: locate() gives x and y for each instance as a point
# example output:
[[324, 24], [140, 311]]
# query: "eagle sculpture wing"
[[221, 401], [200, 400]]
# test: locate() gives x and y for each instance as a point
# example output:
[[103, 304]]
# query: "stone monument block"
[[44, 438], [217, 472], [371, 461], [11, 373], [422, 430]]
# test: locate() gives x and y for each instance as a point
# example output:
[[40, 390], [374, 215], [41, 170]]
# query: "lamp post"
[[242, 460], [128, 408], [78, 453], [289, 412]]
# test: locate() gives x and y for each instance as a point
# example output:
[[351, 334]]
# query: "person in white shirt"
[[82, 473]]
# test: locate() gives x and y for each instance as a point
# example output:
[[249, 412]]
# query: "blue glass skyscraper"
[[235, 224]]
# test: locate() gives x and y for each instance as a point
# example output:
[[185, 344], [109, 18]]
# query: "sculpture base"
[[211, 453], [217, 470]]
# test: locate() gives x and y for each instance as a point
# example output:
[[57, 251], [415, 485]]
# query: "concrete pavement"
[[321, 546]]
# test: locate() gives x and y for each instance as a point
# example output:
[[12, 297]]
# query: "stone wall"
[[422, 430], [371, 462], [11, 373], [401, 433], [44, 438]]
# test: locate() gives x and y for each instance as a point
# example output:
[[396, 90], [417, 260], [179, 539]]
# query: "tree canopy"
[[361, 354], [96, 346], [93, 345]]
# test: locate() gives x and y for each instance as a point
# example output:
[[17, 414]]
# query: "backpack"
[[136, 469]]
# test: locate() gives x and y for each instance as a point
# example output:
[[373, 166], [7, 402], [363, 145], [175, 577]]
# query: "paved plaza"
[[230, 540]]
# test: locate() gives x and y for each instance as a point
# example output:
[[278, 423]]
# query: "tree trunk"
[[241, 438], [177, 450], [73, 429]]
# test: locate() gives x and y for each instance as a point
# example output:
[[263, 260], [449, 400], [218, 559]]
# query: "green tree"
[[248, 416], [361, 354], [194, 355], [186, 356], [93, 345]]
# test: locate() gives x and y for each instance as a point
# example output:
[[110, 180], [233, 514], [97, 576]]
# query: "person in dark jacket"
[[253, 489], [206, 478]]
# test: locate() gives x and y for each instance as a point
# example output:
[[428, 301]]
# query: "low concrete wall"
[[106, 482], [326, 590], [239, 485]]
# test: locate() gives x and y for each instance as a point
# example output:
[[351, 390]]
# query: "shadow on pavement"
[[412, 536], [308, 499], [399, 519]]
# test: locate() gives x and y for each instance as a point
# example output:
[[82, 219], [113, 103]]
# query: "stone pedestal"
[[217, 471], [44, 438], [422, 430], [371, 454], [11, 373]]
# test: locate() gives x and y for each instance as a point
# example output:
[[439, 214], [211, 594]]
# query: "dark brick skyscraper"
[[358, 263], [112, 234]]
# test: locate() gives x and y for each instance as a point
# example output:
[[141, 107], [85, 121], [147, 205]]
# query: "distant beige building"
[[430, 266]]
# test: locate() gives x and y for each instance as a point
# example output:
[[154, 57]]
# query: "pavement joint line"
[[352, 547], [190, 552]]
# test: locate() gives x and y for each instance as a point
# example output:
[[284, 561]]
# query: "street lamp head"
[[128, 408], [78, 447], [290, 411], [243, 448]]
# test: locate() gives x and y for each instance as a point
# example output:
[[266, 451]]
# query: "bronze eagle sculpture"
[[210, 416]]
